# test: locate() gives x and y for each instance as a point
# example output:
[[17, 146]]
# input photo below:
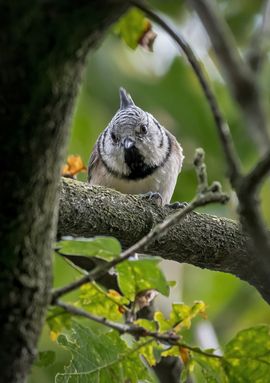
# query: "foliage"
[[101, 357], [168, 89], [45, 358], [103, 248], [100, 354], [135, 30], [135, 276]]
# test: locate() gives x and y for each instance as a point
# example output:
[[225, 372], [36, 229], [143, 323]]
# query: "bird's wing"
[[93, 161]]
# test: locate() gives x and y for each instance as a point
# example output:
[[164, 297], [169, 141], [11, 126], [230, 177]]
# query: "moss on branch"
[[202, 240]]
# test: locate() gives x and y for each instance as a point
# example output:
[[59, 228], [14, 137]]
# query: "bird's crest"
[[125, 99]]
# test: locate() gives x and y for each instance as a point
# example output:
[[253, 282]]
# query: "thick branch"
[[44, 45], [200, 239], [204, 196]]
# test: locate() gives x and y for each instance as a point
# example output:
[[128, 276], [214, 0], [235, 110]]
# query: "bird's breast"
[[162, 180]]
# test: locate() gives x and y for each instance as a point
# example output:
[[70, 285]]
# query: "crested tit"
[[135, 154]]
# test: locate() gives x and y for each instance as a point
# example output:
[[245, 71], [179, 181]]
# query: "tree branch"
[[50, 40], [230, 154], [245, 89], [206, 194], [238, 74], [200, 239], [256, 176], [122, 328], [133, 329], [259, 45]]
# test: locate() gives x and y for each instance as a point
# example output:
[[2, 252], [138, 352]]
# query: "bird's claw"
[[177, 205], [154, 197]]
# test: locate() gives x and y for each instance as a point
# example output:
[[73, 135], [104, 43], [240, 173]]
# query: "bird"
[[135, 154]]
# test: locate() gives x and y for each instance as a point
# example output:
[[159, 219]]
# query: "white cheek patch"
[[113, 157]]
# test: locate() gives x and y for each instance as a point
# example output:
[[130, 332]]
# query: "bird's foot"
[[153, 197], [177, 205]]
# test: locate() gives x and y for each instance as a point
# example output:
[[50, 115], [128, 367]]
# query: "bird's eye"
[[113, 136], [143, 129]]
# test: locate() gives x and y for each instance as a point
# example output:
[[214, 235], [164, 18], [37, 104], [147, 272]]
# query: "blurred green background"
[[163, 84]]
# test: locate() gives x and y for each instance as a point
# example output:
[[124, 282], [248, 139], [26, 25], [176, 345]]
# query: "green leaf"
[[98, 301], [247, 356], [57, 320], [151, 351], [135, 276], [131, 27], [172, 283], [149, 325], [171, 351], [45, 358], [180, 316], [187, 369], [106, 248], [99, 357], [211, 368]]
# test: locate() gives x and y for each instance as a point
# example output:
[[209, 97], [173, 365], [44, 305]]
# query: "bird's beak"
[[128, 143]]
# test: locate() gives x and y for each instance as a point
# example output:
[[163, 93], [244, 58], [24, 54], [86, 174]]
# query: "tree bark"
[[43, 45], [202, 240]]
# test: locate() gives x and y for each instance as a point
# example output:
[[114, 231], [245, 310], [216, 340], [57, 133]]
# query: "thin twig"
[[239, 76], [199, 351], [110, 297], [266, 18], [259, 45], [222, 127], [255, 177], [205, 196], [122, 328], [138, 331]]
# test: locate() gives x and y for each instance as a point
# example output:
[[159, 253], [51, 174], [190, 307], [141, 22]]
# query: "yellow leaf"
[[54, 335], [172, 351], [184, 353]]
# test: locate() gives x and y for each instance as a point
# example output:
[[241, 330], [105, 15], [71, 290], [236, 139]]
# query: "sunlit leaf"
[[100, 302], [106, 248], [187, 369], [57, 320], [99, 357], [171, 351], [147, 324], [211, 368], [150, 351], [180, 316], [135, 29], [135, 276], [247, 356], [163, 323]]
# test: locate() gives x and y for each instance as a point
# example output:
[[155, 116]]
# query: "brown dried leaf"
[[73, 166], [148, 37], [144, 298]]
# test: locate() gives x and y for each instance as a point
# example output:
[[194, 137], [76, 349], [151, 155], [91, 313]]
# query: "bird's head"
[[134, 143]]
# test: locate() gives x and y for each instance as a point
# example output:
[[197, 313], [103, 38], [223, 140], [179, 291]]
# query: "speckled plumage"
[[135, 154]]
